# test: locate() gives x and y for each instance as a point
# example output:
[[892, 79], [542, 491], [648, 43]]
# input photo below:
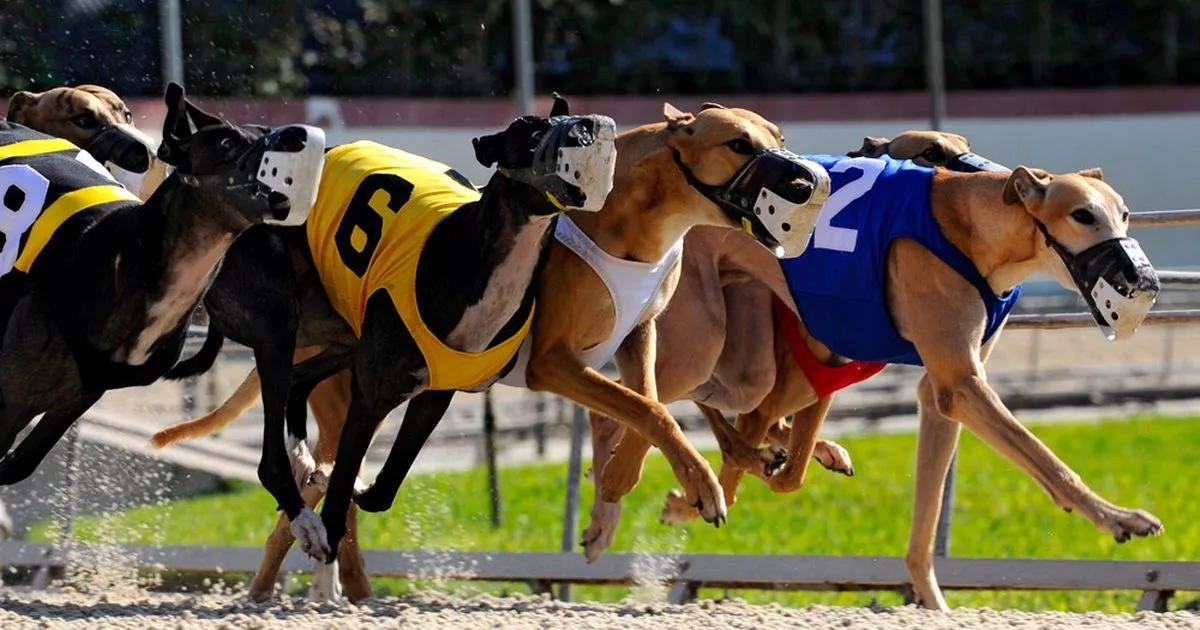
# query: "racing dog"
[[909, 265], [412, 278], [659, 193], [95, 286], [96, 120]]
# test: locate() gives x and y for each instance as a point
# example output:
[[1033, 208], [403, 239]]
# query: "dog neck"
[[651, 205], [168, 254], [1000, 239], [498, 236]]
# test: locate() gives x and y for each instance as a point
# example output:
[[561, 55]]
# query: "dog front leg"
[[558, 370], [936, 442], [971, 401], [23, 460], [424, 413]]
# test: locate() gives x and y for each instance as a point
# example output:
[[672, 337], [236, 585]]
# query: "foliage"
[[463, 48], [999, 512]]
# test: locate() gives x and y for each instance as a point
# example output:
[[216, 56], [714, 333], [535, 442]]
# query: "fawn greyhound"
[[951, 251], [96, 120], [95, 286], [660, 191]]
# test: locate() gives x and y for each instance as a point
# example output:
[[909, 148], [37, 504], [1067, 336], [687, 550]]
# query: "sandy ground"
[[141, 611]]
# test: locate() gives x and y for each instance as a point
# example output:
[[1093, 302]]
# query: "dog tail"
[[200, 362], [242, 399]]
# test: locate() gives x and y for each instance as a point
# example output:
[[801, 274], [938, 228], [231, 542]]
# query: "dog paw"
[[704, 491], [319, 478], [834, 457], [774, 458], [601, 530], [1124, 523], [676, 509], [310, 533], [373, 499], [261, 593], [789, 479], [325, 587]]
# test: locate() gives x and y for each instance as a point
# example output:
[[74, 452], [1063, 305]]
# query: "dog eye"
[[1083, 216], [935, 155], [741, 147], [128, 117], [1125, 217], [85, 121], [226, 143]]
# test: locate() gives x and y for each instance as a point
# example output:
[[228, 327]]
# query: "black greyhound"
[[96, 287], [474, 286]]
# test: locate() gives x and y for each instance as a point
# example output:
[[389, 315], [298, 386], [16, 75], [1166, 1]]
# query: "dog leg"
[[834, 457], [806, 423], [737, 452], [262, 587], [602, 523], [971, 401], [23, 460], [325, 586], [935, 447], [424, 413]]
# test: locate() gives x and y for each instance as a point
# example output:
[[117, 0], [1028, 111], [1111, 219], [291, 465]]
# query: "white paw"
[[310, 532], [325, 586], [360, 486], [601, 530], [303, 464], [835, 457]]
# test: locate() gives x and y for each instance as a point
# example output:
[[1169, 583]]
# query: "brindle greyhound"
[[96, 120], [653, 203], [1009, 225], [96, 296]]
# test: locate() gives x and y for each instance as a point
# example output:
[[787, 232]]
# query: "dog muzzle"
[[125, 153], [283, 169], [972, 163], [574, 163], [1116, 280], [776, 197]]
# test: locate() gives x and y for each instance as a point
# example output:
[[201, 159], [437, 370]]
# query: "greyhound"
[[368, 279], [990, 228], [97, 286], [659, 193], [96, 120]]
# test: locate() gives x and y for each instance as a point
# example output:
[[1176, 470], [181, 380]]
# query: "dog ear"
[[712, 106], [560, 106], [1094, 173], [676, 119], [489, 150], [176, 131], [201, 118], [18, 103], [874, 147], [1023, 185]]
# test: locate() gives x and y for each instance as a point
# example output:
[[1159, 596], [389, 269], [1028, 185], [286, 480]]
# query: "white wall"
[[1151, 160]]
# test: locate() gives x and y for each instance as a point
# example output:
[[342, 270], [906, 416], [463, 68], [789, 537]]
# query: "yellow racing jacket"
[[375, 209]]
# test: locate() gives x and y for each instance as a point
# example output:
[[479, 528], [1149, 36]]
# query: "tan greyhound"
[[687, 171], [1009, 226]]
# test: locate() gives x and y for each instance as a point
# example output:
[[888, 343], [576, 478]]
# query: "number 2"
[[840, 239], [361, 229], [22, 196]]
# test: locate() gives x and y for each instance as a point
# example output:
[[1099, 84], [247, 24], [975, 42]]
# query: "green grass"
[[1146, 462]]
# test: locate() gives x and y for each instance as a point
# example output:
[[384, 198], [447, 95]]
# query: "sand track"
[[142, 611]]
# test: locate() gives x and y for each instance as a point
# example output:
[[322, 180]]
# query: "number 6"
[[22, 196]]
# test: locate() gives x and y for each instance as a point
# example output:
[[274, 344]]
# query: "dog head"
[[97, 120], [1084, 224], [265, 175], [569, 159], [927, 148], [735, 159]]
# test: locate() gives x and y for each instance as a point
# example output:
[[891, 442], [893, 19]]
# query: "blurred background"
[[1059, 84]]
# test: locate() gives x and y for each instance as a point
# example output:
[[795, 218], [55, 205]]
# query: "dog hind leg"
[[23, 460]]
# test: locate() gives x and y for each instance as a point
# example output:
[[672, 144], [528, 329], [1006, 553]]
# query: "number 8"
[[22, 196]]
